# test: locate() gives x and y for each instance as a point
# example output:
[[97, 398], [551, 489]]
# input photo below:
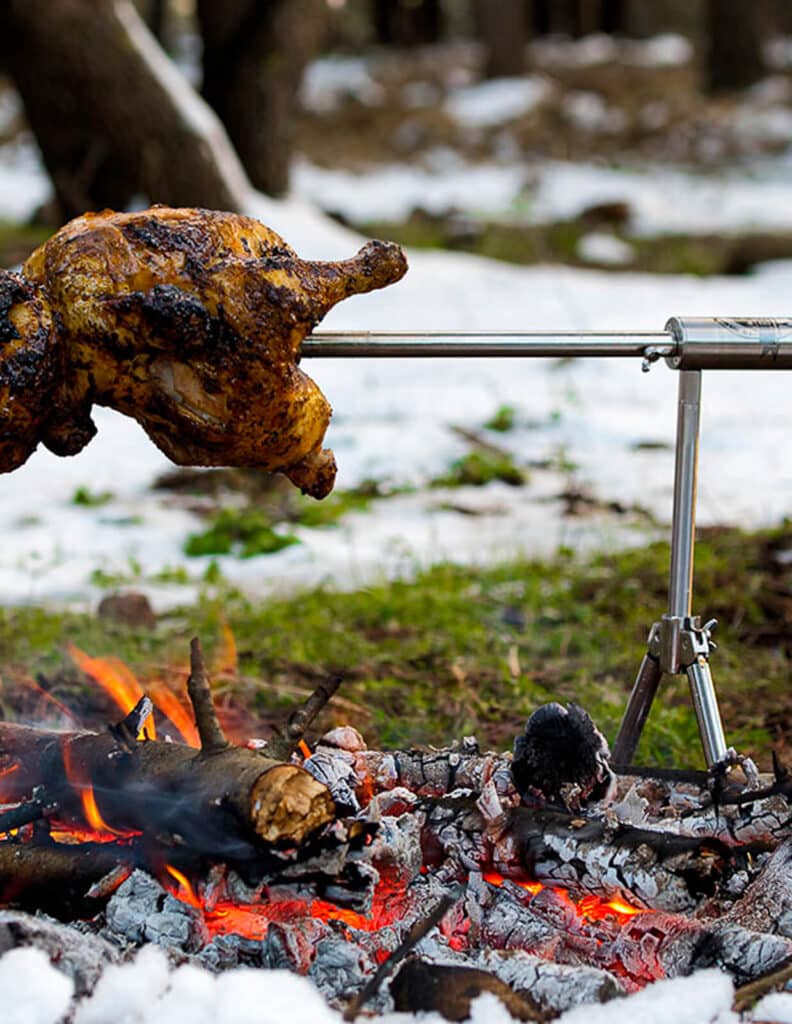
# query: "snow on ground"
[[666, 50], [393, 420], [498, 100], [330, 80], [146, 991], [661, 200]]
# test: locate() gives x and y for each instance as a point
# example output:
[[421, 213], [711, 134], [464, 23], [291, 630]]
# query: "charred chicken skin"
[[188, 320]]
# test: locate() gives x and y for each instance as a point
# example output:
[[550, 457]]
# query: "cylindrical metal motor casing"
[[730, 343]]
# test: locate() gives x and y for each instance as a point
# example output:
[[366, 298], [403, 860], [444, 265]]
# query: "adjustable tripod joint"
[[677, 642]]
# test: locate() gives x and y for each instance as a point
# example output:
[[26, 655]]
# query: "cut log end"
[[287, 805]]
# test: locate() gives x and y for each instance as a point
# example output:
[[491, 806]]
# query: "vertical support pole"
[[678, 629], [683, 523]]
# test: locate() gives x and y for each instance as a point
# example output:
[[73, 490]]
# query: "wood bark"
[[226, 803], [734, 59], [503, 29], [113, 117], [254, 55]]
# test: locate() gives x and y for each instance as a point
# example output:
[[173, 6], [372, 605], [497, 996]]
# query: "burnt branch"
[[285, 742], [213, 740]]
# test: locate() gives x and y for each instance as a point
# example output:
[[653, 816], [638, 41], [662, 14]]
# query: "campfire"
[[412, 879]]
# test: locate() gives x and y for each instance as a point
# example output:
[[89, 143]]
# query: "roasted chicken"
[[188, 320]]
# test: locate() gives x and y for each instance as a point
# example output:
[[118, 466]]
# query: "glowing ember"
[[590, 906], [495, 879]]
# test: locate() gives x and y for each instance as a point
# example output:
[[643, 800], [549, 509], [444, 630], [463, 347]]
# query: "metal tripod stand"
[[678, 643]]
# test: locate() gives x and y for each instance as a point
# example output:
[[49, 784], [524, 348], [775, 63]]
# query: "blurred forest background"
[[346, 85]]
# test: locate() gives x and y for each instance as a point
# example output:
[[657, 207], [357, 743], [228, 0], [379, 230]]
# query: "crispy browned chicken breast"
[[188, 320]]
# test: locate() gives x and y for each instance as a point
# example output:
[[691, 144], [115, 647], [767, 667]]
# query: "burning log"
[[220, 801]]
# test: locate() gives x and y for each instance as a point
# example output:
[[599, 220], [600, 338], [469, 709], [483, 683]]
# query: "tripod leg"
[[705, 704], [637, 711]]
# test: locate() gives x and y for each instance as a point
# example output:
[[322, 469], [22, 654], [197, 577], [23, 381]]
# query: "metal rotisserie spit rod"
[[686, 343]]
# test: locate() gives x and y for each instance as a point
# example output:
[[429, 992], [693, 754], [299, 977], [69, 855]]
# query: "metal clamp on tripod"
[[678, 644]]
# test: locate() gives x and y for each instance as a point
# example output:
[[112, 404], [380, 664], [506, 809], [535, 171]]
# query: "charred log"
[[56, 878], [226, 803]]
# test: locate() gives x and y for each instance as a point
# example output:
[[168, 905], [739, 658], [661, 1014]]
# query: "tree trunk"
[[405, 23], [735, 59], [112, 115], [255, 52], [502, 27]]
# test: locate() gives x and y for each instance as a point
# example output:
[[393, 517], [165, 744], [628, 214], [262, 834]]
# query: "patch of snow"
[[775, 1008], [666, 50], [601, 247], [494, 102], [771, 125], [662, 200], [24, 185], [328, 81], [589, 111], [32, 991], [125, 992], [10, 108], [146, 991], [704, 997], [393, 192], [667, 201], [778, 52]]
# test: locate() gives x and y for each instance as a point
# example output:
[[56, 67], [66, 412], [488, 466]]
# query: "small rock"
[[131, 609]]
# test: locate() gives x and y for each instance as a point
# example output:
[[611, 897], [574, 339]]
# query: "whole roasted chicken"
[[188, 320]]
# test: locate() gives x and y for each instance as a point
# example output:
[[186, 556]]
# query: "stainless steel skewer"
[[534, 344], [678, 643]]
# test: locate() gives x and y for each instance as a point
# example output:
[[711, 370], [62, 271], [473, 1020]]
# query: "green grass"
[[462, 650], [91, 499], [503, 420], [243, 532], [480, 467]]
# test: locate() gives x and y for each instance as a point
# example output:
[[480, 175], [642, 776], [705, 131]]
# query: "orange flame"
[[47, 697], [118, 681], [77, 775], [175, 710], [186, 892]]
